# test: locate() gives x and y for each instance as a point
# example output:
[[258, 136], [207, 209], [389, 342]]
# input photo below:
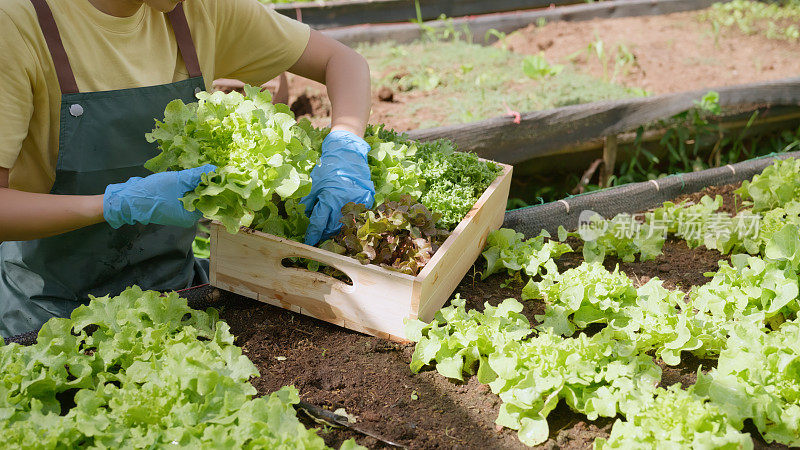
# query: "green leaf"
[[424, 352], [150, 372], [452, 366], [533, 431], [413, 329]]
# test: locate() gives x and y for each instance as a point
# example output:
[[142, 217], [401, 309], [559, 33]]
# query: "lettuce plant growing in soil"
[[604, 369], [141, 370], [745, 317]]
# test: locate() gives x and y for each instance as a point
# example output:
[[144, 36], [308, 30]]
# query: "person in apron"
[[107, 223]]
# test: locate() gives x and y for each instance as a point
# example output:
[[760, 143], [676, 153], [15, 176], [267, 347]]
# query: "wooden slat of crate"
[[249, 263], [449, 265]]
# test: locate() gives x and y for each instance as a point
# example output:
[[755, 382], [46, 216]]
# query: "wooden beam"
[[578, 157], [765, 120], [609, 159], [542, 133], [344, 13]]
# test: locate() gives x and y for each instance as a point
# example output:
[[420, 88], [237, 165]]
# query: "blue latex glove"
[[342, 176], [153, 199]]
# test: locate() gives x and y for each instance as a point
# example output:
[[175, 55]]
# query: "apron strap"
[[66, 79], [184, 39]]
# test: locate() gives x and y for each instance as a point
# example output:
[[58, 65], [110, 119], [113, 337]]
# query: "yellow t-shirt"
[[238, 39]]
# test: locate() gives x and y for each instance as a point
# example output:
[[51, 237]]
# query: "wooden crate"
[[249, 263]]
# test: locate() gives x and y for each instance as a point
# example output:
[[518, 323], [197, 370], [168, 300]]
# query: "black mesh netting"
[[630, 198]]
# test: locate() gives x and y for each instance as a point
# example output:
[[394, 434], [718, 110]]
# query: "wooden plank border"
[[345, 13], [543, 133], [578, 157], [511, 21]]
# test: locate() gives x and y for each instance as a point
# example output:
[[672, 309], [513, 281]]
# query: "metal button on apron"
[[197, 90], [76, 110]]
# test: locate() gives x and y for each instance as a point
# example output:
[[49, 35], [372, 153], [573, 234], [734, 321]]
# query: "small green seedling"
[[537, 67]]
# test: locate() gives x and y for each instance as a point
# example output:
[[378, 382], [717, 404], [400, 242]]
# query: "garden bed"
[[480, 26], [663, 54], [370, 378]]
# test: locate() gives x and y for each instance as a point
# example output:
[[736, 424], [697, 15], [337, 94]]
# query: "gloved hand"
[[342, 176], [153, 199]]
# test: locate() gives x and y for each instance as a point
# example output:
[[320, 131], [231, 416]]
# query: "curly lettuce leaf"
[[141, 370]]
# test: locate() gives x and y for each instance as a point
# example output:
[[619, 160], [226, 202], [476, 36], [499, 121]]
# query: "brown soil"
[[336, 368], [369, 377], [678, 266], [673, 53], [731, 203]]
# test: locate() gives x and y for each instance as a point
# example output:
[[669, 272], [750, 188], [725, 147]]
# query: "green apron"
[[101, 141]]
